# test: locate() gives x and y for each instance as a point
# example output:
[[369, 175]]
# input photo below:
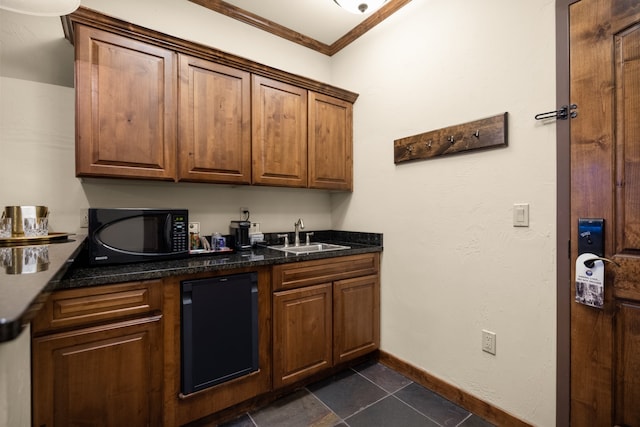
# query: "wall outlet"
[[244, 213], [489, 341], [194, 227], [84, 218]]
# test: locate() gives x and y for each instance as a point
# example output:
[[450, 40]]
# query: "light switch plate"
[[521, 215], [194, 227]]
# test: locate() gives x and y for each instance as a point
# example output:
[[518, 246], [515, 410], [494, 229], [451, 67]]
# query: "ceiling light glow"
[[360, 6]]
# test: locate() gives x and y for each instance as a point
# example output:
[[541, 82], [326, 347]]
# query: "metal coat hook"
[[451, 139], [429, 145], [477, 134], [563, 113]]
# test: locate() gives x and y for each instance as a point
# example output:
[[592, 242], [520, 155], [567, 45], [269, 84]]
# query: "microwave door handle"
[[167, 232]]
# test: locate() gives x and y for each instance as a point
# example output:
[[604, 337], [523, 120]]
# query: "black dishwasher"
[[219, 333]]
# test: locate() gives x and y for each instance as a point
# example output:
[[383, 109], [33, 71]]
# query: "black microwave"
[[118, 236]]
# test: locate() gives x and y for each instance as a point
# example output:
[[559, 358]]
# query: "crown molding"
[[254, 20]]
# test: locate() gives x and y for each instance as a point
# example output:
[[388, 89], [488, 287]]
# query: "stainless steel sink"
[[310, 248]]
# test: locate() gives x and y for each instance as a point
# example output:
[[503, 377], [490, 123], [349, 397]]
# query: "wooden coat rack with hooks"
[[480, 134]]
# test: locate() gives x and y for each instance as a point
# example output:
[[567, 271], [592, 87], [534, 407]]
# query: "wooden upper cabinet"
[[279, 125], [330, 143], [214, 122], [125, 107], [151, 106]]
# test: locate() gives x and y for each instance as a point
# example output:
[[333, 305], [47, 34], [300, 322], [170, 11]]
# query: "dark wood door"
[[605, 183], [109, 375], [125, 107], [214, 122], [279, 133], [302, 333]]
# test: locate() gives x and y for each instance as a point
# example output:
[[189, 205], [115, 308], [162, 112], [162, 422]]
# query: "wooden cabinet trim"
[[81, 307], [95, 19], [286, 276]]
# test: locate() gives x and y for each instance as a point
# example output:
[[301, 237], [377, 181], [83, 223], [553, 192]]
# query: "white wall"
[[453, 263]]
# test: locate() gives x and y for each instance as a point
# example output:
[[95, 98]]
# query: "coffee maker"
[[240, 232]]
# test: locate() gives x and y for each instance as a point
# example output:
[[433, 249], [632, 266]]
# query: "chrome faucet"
[[286, 239], [299, 225]]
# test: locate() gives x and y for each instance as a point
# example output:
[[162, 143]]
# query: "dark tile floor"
[[368, 395]]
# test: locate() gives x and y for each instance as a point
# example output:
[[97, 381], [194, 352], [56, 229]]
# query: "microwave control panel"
[[180, 233]]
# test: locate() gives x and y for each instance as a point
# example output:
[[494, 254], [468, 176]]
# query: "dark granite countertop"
[[82, 275], [62, 266], [27, 271]]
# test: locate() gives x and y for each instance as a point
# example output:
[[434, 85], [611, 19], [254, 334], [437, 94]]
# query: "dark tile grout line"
[[388, 394], [382, 398], [469, 414], [344, 420], [391, 394]]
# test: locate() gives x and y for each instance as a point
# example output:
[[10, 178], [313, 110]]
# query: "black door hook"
[[563, 113]]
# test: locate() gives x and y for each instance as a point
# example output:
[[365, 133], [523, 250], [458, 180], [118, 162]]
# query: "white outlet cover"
[[489, 341]]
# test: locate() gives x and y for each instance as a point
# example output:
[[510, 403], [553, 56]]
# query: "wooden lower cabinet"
[[320, 325], [96, 357], [356, 317], [302, 333], [109, 375], [110, 355]]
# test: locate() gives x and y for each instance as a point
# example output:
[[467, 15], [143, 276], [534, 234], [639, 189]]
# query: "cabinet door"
[[330, 143], [279, 139], [103, 376], [302, 333], [356, 317], [214, 130], [125, 107]]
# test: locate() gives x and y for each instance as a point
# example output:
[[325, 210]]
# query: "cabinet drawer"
[[286, 276], [81, 307]]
